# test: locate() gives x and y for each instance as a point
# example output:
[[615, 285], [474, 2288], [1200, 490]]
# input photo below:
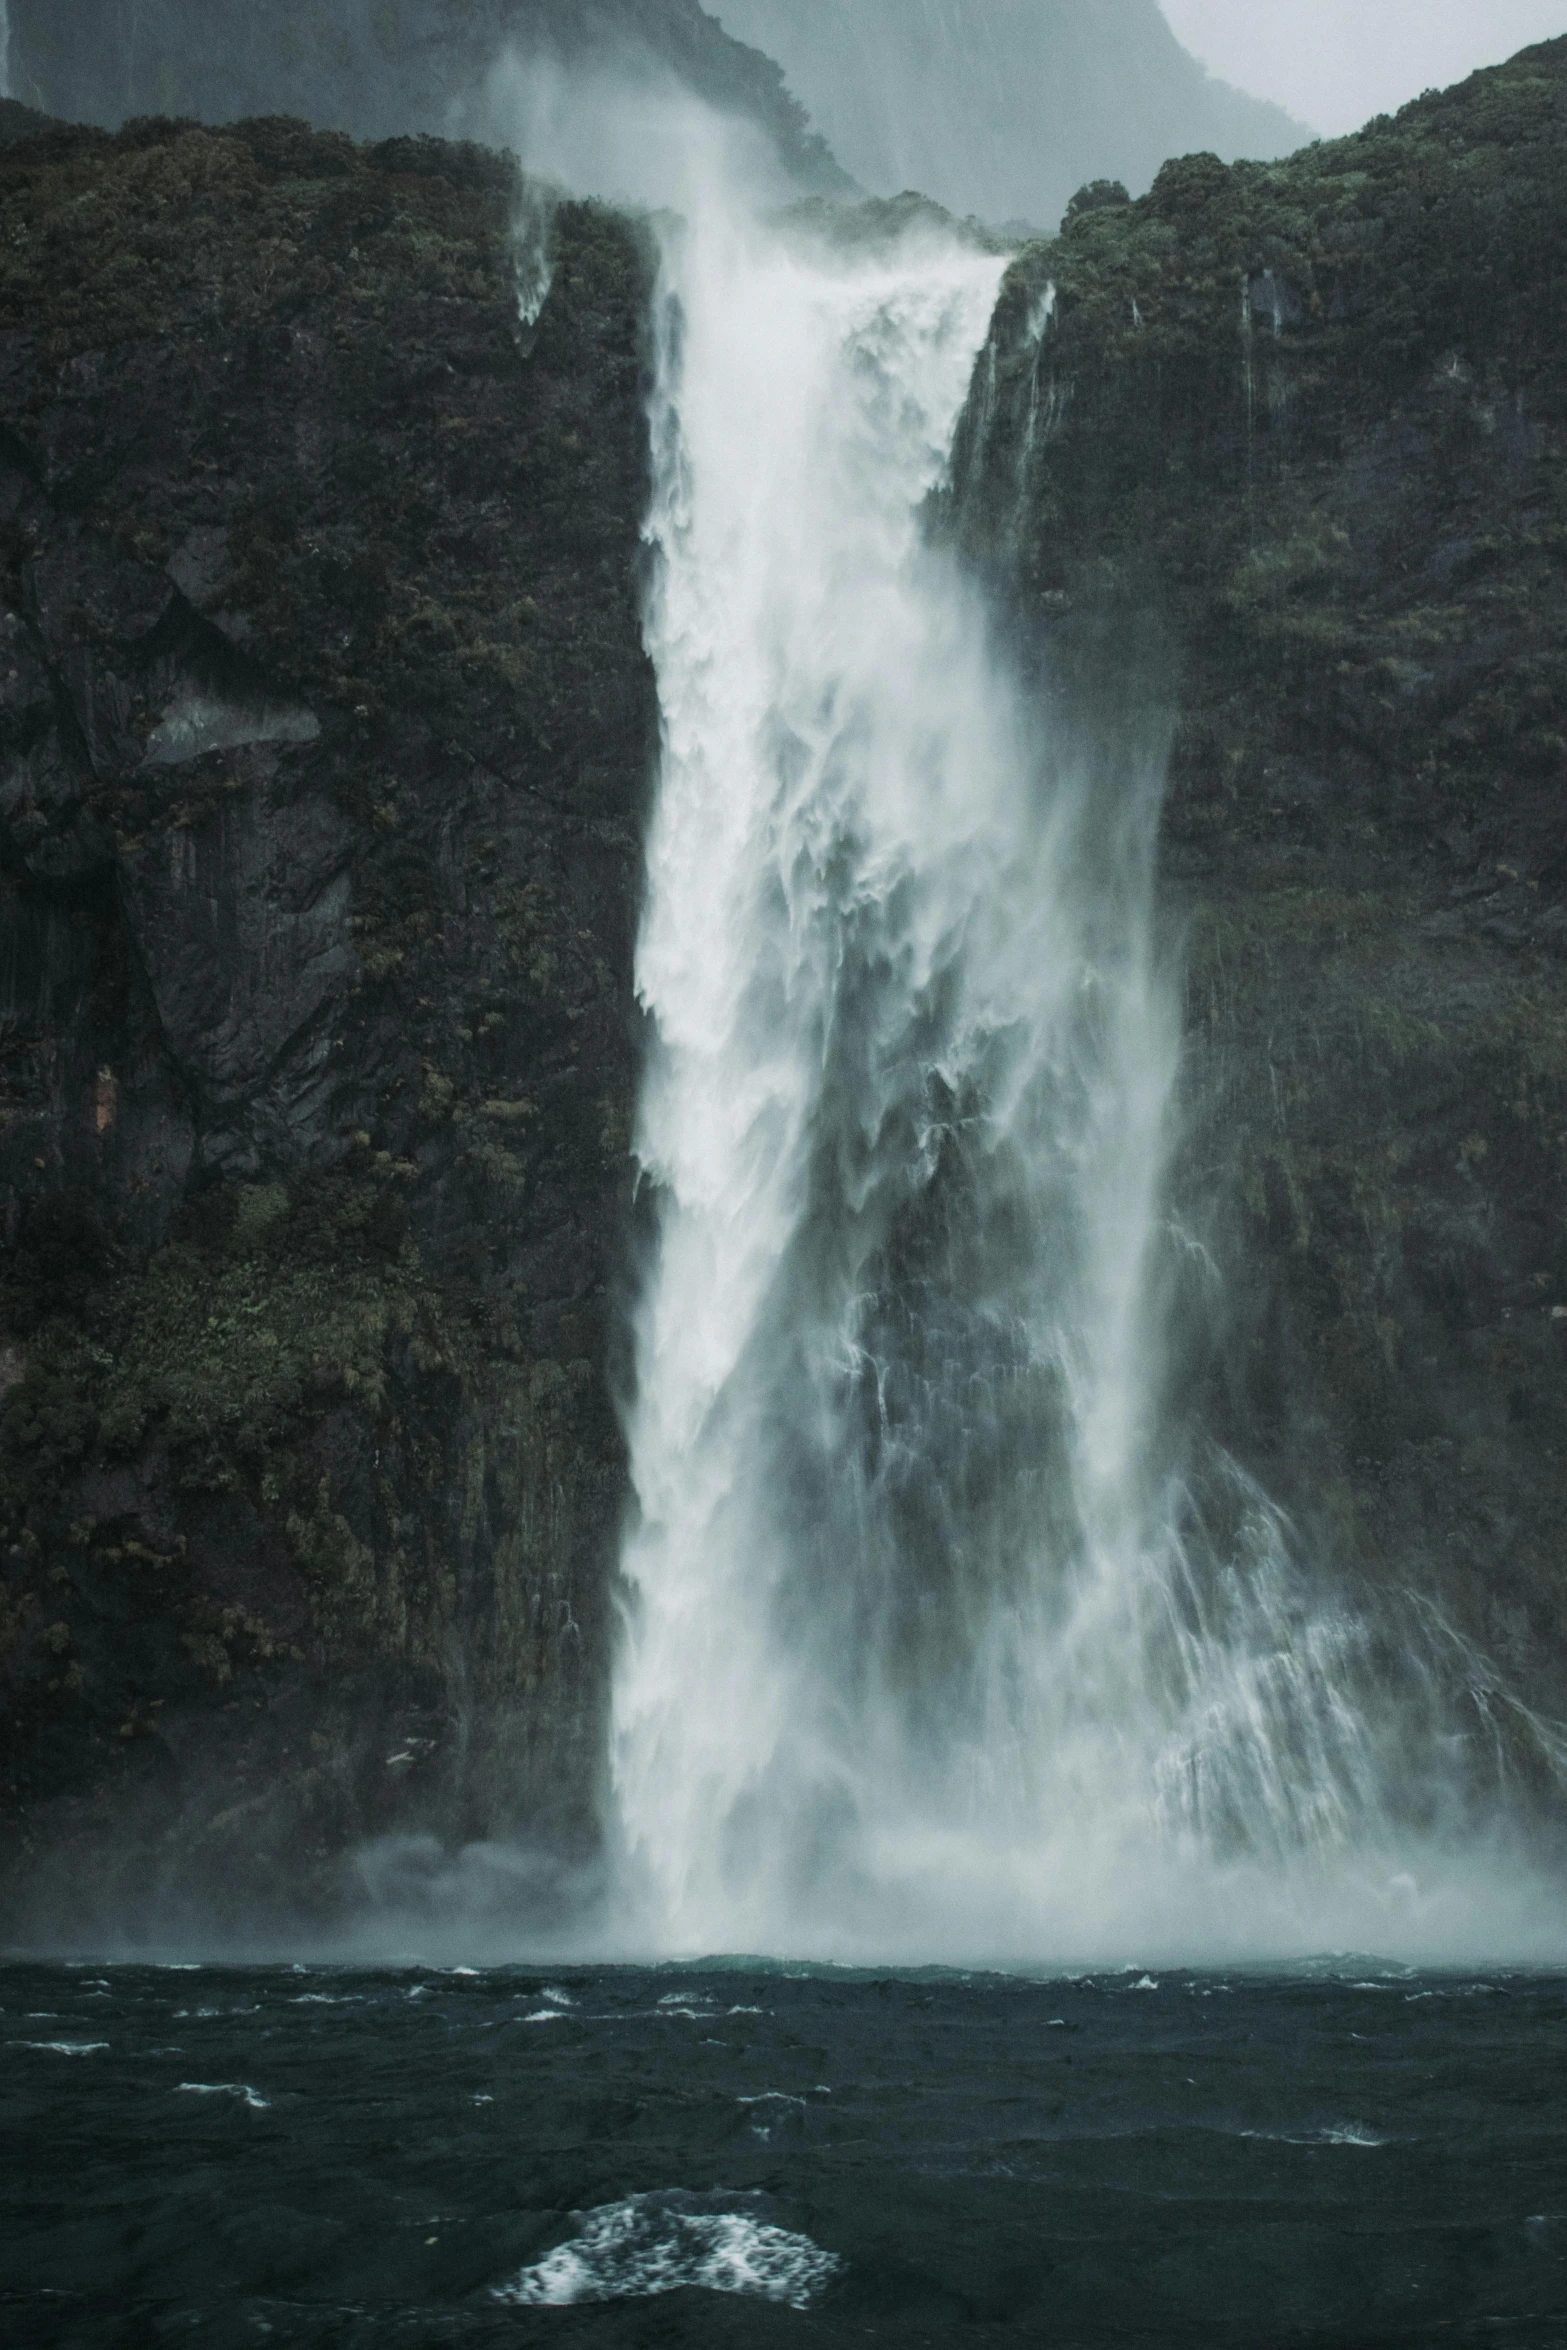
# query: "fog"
[[1337, 62], [1003, 107]]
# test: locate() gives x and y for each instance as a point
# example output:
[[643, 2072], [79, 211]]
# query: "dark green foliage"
[[307, 1452], [59, 1256], [1304, 425], [1095, 197]]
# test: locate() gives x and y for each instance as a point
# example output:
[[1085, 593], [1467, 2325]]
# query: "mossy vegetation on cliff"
[[1297, 431], [325, 754]]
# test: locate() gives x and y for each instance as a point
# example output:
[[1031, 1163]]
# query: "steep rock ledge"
[[325, 730], [1298, 430]]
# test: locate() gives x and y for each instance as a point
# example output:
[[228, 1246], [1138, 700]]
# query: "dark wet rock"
[[1298, 431], [324, 738]]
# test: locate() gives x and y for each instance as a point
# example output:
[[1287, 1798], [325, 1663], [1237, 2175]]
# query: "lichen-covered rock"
[[325, 730], [1298, 430]]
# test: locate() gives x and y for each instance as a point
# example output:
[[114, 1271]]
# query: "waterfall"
[[934, 1643], [944, 1635]]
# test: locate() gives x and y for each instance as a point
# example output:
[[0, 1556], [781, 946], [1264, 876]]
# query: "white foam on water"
[[61, 2047], [239, 2089], [770, 2111], [653, 2244], [1334, 2134], [1455, 1991]]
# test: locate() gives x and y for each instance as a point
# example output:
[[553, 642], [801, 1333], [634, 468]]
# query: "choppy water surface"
[[1346, 2155]]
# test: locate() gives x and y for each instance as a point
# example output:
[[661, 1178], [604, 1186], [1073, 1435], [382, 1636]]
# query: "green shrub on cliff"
[[306, 1409], [1297, 432]]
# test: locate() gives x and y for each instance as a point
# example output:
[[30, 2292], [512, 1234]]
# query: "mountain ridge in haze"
[[999, 108], [1002, 108], [378, 68]]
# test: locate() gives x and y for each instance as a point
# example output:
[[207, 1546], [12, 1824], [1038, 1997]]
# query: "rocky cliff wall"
[[1298, 431], [324, 734]]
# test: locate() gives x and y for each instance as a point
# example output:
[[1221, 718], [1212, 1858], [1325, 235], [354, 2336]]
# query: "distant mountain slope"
[[373, 67], [1004, 107]]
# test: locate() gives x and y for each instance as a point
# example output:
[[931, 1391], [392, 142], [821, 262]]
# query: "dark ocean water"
[[1346, 2155]]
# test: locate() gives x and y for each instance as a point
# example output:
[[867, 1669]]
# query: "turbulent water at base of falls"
[[938, 1643]]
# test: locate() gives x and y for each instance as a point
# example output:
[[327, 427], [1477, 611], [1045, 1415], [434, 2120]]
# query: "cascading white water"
[[941, 1641], [843, 795], [930, 1649]]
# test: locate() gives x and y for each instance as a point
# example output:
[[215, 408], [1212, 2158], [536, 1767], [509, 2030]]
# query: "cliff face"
[[324, 734], [1311, 418], [377, 68]]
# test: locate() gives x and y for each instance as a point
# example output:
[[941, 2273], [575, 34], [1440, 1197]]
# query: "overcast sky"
[[1334, 63]]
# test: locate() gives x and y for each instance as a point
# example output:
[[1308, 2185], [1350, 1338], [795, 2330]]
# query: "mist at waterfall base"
[[947, 1635]]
